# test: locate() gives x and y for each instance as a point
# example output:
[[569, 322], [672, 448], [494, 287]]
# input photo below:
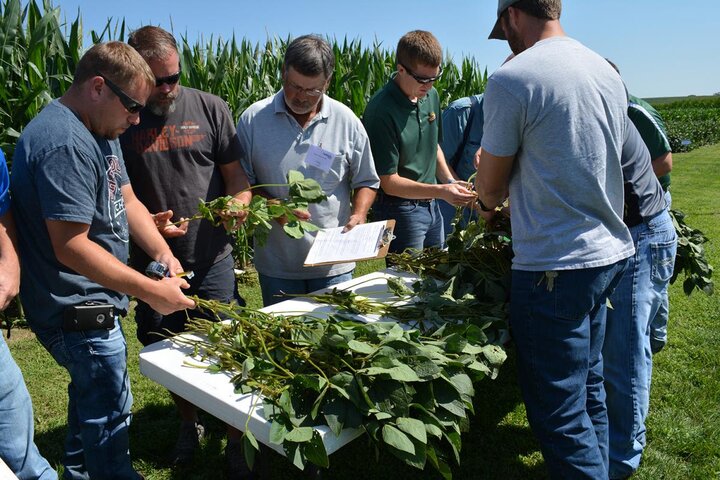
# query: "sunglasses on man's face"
[[423, 80], [170, 79], [130, 104]]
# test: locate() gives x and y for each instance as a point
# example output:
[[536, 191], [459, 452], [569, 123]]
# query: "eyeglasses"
[[130, 104], [310, 92], [170, 79], [423, 80]]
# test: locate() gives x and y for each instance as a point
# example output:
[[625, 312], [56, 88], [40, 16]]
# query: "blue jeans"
[[448, 213], [418, 224], [658, 325], [17, 448], [216, 282], [273, 288], [97, 443], [627, 354], [557, 321]]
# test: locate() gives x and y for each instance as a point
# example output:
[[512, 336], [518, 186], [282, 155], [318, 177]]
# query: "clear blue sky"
[[662, 47]]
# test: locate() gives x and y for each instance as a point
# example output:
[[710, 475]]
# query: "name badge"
[[319, 158]]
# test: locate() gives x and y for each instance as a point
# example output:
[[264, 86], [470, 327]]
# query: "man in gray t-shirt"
[[301, 128], [555, 124], [75, 213]]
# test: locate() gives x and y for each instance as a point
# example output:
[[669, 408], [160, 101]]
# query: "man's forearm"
[[363, 199], [143, 230]]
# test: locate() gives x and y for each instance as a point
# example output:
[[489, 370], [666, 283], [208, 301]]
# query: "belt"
[[393, 200]]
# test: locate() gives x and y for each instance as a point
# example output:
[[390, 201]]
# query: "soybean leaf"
[[361, 347], [438, 463], [293, 229], [397, 439], [294, 454], [277, 432], [413, 427], [299, 435], [417, 458], [249, 447], [314, 451]]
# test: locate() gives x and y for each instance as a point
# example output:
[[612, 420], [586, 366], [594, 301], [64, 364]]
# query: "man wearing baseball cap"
[[555, 130]]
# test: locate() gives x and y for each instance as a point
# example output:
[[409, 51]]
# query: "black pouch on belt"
[[89, 316]]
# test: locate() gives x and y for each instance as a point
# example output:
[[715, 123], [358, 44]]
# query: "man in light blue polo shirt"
[[300, 128]]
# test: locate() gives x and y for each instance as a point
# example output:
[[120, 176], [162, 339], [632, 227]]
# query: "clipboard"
[[382, 243]]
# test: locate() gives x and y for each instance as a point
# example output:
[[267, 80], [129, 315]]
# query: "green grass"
[[683, 432]]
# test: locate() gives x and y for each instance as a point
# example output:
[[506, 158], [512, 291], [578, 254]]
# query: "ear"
[[514, 16], [95, 86]]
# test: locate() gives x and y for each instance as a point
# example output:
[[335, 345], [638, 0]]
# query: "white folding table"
[[170, 365]]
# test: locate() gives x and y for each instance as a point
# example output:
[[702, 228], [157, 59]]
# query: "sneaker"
[[236, 468], [191, 433]]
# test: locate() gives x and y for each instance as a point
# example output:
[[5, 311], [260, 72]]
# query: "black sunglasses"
[[423, 80], [130, 104], [170, 79]]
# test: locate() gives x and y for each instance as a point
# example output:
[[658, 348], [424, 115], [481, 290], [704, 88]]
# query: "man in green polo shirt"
[[654, 133], [404, 126]]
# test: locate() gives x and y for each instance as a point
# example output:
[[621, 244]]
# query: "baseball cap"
[[497, 31]]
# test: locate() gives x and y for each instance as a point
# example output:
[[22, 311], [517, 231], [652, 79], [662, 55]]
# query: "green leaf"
[[315, 451], [462, 384], [340, 413], [299, 434], [455, 442], [313, 382], [293, 229], [397, 439], [277, 432], [440, 465], [294, 454], [308, 227], [413, 427], [249, 447], [361, 347]]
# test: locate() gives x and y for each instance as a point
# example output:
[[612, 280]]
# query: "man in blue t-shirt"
[[17, 447], [462, 126], [75, 212]]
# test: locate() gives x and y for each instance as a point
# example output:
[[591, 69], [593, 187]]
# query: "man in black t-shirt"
[[184, 149]]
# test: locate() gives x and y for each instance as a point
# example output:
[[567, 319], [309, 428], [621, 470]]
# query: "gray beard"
[[161, 111]]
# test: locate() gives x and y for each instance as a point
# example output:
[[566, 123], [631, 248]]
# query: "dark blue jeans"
[[273, 288], [557, 320], [97, 444], [216, 282], [418, 224]]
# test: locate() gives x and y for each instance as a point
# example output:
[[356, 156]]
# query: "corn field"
[[39, 52]]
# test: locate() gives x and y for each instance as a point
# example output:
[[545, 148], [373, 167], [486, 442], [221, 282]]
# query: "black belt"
[[393, 200]]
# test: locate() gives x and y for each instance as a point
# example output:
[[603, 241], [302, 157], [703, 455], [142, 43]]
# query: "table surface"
[[170, 365]]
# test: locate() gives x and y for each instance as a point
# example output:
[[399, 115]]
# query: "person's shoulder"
[[265, 105], [380, 97]]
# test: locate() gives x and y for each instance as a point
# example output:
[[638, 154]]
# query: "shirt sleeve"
[[4, 186], [503, 121], [652, 130], [244, 136], [67, 183], [228, 148], [362, 165], [454, 120], [384, 142]]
